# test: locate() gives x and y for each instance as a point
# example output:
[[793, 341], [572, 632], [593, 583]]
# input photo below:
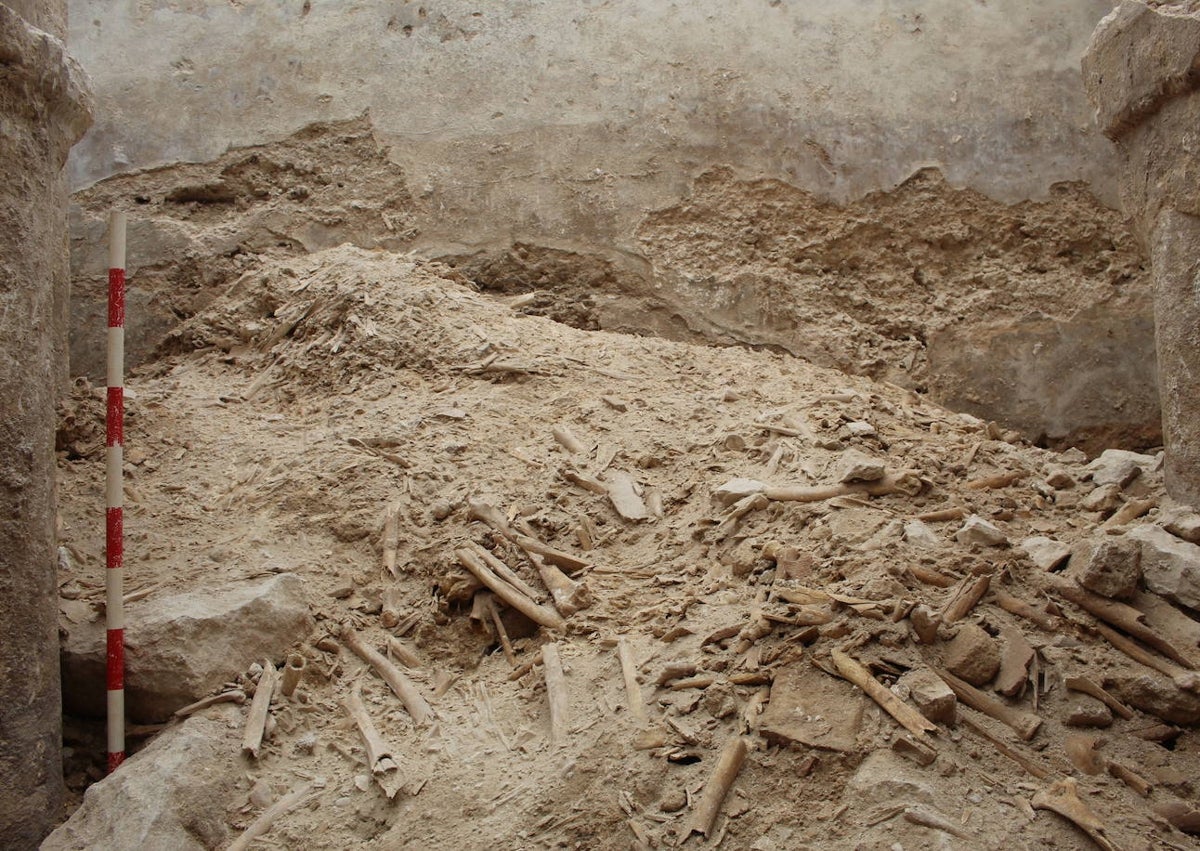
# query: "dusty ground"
[[282, 420]]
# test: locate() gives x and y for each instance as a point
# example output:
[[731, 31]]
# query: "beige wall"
[[565, 120]]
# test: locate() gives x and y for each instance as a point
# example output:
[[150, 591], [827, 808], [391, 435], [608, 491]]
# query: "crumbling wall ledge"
[[1142, 71], [44, 108]]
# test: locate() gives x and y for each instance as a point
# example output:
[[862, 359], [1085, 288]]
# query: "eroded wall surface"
[[43, 109], [569, 128]]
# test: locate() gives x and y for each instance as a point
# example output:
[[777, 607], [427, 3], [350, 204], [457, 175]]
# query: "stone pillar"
[[44, 109], [1142, 72]]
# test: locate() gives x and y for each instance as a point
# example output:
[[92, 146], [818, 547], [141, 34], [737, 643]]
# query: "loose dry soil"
[[278, 424]]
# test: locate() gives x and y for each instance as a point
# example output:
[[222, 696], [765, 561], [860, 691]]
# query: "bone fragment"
[[567, 439], [624, 496], [1062, 797], [401, 685], [906, 716], [538, 614], [293, 670], [256, 720], [380, 759], [969, 593], [637, 704], [556, 693], [719, 782], [1024, 723], [263, 824]]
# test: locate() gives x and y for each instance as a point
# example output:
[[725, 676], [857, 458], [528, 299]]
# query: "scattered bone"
[[1130, 778], [567, 439], [909, 748], [400, 651], [622, 493], [556, 693], [293, 670], [1062, 797], [380, 760], [930, 576], [1019, 607], [403, 688], [969, 593], [675, 670], [943, 515], [1002, 747], [927, 817], [1025, 724], [262, 825], [1086, 686], [583, 480], [729, 763], [510, 595], [568, 595], [999, 480], [906, 482], [391, 537], [256, 720], [507, 573], [1129, 512], [389, 613], [637, 705], [907, 717], [231, 696], [501, 632], [1124, 617], [1182, 815]]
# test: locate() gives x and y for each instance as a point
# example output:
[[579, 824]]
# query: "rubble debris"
[[975, 530]]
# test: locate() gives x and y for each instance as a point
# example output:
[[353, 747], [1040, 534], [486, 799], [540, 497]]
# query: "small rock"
[[719, 700], [1120, 467], [1084, 711], [972, 655], [1183, 524], [1110, 567], [736, 489], [925, 623], [1060, 479], [857, 466], [1046, 553], [930, 694], [885, 777], [918, 533], [1170, 565], [441, 509], [976, 530], [1014, 663], [673, 801], [1105, 499], [859, 428]]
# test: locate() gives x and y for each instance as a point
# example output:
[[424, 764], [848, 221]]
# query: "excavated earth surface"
[[1036, 314], [287, 417]]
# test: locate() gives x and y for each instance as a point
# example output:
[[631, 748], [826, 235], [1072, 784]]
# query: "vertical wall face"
[[43, 110], [1140, 73]]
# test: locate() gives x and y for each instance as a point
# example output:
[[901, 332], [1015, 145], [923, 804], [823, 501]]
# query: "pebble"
[[976, 530], [1087, 712], [973, 655]]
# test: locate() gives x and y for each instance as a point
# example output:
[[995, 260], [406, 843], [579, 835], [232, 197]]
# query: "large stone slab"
[[172, 794], [1170, 565], [812, 708], [181, 647]]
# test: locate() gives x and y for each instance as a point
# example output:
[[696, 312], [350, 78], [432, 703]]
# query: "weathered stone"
[[1183, 524], [1155, 695], [1060, 479], [884, 776], [857, 466], [1046, 553], [181, 647], [812, 709], [1170, 566], [172, 794], [930, 694], [1110, 567], [920, 535], [1120, 467], [1105, 499], [976, 530], [925, 623], [973, 655], [1014, 663], [1084, 711], [44, 108], [1139, 70]]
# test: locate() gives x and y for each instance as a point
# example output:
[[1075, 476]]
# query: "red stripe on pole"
[[116, 298], [115, 417], [114, 538], [114, 760], [115, 679]]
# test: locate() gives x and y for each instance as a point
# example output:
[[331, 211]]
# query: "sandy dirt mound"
[[330, 412]]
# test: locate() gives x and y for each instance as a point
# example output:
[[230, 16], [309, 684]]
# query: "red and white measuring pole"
[[114, 492]]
